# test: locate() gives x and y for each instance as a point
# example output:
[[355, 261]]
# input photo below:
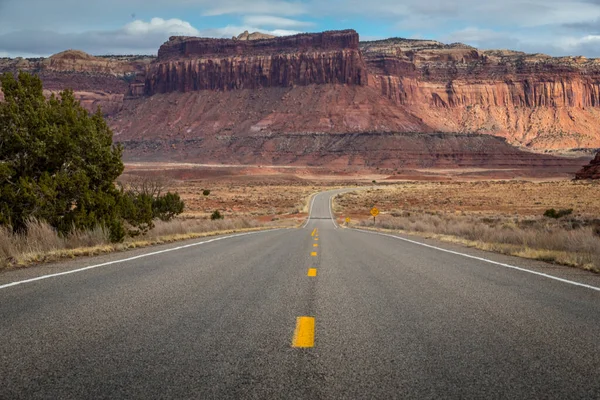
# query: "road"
[[240, 317]]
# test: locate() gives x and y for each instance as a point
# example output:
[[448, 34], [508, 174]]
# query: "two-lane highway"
[[317, 312]]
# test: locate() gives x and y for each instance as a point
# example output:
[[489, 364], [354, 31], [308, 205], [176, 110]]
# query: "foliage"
[[552, 213], [57, 162], [216, 215], [206, 192], [164, 206]]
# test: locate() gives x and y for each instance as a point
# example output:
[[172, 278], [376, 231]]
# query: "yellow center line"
[[315, 245], [314, 254], [304, 334], [314, 232], [312, 272], [316, 239]]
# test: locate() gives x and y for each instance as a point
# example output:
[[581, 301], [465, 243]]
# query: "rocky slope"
[[202, 90], [590, 171], [96, 81], [532, 100]]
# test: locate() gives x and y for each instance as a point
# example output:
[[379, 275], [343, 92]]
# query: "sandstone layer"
[[202, 90], [590, 171], [187, 64], [532, 100], [96, 81], [338, 152]]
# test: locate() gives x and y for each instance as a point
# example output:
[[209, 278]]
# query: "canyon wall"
[[532, 100], [331, 83], [102, 82], [188, 64]]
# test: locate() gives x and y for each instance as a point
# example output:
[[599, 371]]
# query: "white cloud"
[[136, 37], [276, 22], [242, 7], [159, 25], [30, 27]]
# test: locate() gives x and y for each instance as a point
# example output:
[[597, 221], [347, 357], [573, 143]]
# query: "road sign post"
[[374, 213]]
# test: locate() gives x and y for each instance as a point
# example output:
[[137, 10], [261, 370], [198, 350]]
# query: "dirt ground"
[[269, 193], [523, 198]]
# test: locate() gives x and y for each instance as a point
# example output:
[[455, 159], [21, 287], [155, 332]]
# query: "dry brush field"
[[506, 217]]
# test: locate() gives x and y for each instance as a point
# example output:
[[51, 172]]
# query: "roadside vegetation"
[[40, 242], [463, 213], [58, 191]]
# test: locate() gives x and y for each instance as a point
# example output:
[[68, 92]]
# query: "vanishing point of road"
[[320, 312]]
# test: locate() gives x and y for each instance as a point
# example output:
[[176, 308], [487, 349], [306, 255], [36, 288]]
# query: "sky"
[[32, 28]]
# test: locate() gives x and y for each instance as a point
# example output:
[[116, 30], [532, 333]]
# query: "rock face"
[[384, 150], [532, 100], [252, 36], [187, 64], [96, 81], [240, 90], [591, 171]]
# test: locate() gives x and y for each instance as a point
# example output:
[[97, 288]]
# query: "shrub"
[[206, 192], [58, 165], [552, 213], [167, 207], [57, 162], [216, 215]]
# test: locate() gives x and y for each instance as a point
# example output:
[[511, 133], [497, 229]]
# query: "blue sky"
[[44, 27]]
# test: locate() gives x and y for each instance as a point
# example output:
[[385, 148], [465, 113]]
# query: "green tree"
[[167, 206], [57, 162]]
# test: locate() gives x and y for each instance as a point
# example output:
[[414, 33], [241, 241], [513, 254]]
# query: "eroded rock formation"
[[96, 81], [590, 171], [532, 100], [187, 64], [199, 88]]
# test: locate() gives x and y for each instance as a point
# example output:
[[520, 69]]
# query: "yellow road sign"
[[374, 211], [347, 219]]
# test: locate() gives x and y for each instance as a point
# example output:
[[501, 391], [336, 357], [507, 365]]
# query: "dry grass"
[[484, 197], [502, 217], [251, 200], [540, 239], [42, 243]]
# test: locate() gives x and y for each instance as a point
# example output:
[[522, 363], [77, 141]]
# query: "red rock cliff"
[[532, 100], [187, 64]]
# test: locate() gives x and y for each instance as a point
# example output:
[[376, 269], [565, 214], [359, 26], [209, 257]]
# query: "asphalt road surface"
[[321, 312]]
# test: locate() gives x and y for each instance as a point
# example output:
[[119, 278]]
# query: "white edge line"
[[312, 202], [331, 209], [486, 260], [39, 278]]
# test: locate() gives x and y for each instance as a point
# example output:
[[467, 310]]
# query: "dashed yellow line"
[[315, 245], [314, 232], [312, 272], [304, 334], [314, 254]]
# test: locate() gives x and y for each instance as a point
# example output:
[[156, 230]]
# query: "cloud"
[[160, 26], [136, 37], [276, 22], [240, 7], [47, 26]]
